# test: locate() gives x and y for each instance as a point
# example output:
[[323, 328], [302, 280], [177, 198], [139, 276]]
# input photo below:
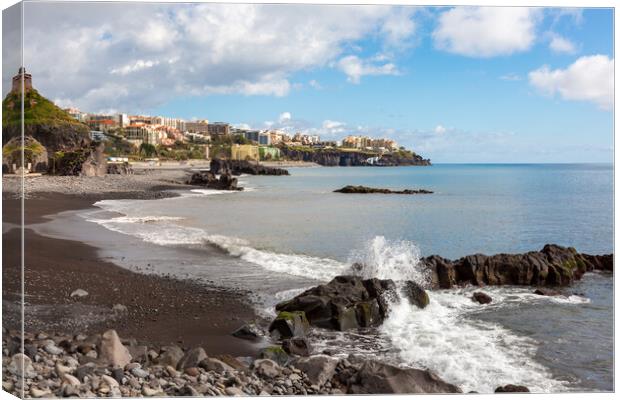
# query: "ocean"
[[284, 234]]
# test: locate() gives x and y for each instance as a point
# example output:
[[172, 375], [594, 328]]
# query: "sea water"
[[287, 233]]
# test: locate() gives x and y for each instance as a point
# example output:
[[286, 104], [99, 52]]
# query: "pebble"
[[139, 373], [79, 293], [52, 349], [36, 392], [150, 392], [111, 382], [234, 391], [70, 380]]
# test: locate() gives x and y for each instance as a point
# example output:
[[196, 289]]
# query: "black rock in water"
[[367, 190], [351, 302], [209, 180], [481, 298], [552, 266], [512, 389], [247, 332]]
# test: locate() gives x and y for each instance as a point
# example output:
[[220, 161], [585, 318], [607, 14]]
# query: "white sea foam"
[[472, 354], [294, 264]]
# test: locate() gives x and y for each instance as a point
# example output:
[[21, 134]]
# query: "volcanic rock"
[[481, 298], [367, 190], [289, 324], [552, 266], [377, 378], [511, 389], [347, 302]]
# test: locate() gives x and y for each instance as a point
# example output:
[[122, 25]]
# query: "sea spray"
[[389, 259]]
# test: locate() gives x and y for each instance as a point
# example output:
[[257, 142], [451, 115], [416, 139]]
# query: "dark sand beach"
[[160, 310]]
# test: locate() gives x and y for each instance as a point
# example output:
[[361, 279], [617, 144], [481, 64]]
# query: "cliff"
[[347, 158], [43, 121]]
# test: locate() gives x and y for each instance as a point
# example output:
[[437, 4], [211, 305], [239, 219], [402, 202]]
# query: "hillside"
[[44, 121], [351, 158]]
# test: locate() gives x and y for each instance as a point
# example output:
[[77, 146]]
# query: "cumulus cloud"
[[355, 68], [559, 44], [158, 51], [590, 78], [284, 117], [486, 31], [440, 129]]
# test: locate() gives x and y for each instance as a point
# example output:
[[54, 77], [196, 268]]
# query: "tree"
[[147, 149]]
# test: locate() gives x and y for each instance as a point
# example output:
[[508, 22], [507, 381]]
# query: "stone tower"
[[17, 80]]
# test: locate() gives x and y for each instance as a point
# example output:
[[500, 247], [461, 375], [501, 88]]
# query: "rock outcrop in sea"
[[350, 302], [365, 189], [552, 266], [208, 179]]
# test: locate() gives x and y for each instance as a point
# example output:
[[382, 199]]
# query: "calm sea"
[[284, 234]]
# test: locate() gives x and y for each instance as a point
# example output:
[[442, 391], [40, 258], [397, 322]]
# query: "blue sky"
[[458, 84]]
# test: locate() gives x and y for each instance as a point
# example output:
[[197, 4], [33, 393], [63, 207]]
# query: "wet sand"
[[160, 310]]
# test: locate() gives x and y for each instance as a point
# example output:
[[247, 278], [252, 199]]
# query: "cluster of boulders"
[[208, 179], [349, 302], [123, 168], [226, 169], [108, 366], [552, 266], [238, 167], [365, 190]]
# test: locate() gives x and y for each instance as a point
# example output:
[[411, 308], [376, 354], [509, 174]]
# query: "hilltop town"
[[60, 141], [160, 136]]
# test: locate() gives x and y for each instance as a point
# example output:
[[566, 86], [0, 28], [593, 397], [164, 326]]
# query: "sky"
[[455, 84]]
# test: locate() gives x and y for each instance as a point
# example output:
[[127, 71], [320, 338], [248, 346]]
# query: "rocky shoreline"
[[104, 365]]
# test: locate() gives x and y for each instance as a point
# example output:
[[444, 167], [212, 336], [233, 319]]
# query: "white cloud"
[[440, 129], [590, 78], [242, 126], [284, 117], [134, 66], [329, 124], [158, 51], [399, 27], [560, 44], [486, 31], [354, 67]]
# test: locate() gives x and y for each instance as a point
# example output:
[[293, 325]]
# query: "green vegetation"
[[37, 110], [227, 140], [147, 150]]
